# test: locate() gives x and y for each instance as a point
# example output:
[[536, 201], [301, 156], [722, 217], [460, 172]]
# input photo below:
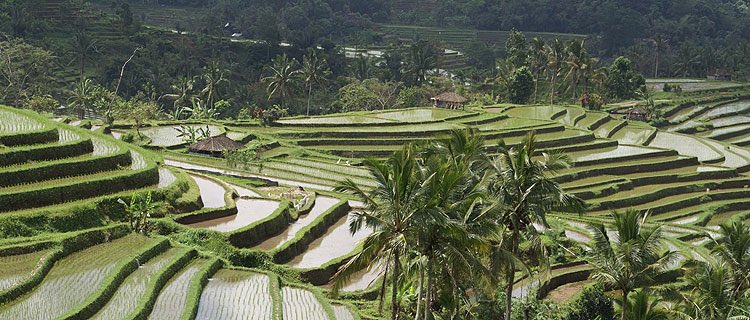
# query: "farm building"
[[214, 146], [448, 100], [637, 114], [721, 75]]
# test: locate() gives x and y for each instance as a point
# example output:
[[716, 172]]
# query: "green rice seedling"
[[235, 294]]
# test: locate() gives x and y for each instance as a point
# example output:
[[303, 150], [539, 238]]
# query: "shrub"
[[592, 101], [624, 82], [269, 117], [42, 103], [590, 304], [667, 87], [521, 86]]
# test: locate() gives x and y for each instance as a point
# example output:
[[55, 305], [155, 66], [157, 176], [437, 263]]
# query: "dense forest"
[[685, 38]]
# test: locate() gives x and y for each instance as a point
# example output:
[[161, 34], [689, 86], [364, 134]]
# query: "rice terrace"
[[341, 160]]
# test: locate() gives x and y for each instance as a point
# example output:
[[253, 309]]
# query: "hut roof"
[[638, 110], [450, 97], [216, 144]]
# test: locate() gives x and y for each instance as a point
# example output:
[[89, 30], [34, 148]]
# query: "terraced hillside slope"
[[689, 183], [66, 254]]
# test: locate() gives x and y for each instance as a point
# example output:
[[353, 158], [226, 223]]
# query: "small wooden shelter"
[[214, 146], [448, 100], [721, 75], [637, 114]]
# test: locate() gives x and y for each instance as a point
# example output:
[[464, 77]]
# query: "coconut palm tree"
[[576, 61], [422, 58], [537, 61], [362, 67], [660, 43], [391, 209], [283, 78], [524, 186], [459, 225], [632, 257], [709, 291], [314, 72], [81, 96], [643, 306], [555, 53], [83, 48], [214, 78], [733, 246]]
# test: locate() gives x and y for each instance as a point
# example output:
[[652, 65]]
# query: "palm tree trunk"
[[394, 289], [419, 293], [428, 297], [309, 93], [624, 302], [511, 277], [656, 68], [382, 288], [552, 89]]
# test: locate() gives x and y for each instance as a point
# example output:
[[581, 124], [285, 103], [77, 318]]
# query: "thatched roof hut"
[[215, 145], [448, 100]]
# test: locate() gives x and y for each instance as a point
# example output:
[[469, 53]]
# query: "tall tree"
[[84, 47], [537, 62], [575, 61], [214, 79], [314, 72], [660, 44], [630, 258], [81, 97], [283, 78], [391, 209], [523, 184], [555, 52], [422, 58], [516, 49]]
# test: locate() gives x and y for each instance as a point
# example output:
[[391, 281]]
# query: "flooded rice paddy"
[[234, 294], [18, 267], [212, 192], [171, 303], [132, 290], [322, 204], [301, 304], [72, 280], [249, 211], [338, 241]]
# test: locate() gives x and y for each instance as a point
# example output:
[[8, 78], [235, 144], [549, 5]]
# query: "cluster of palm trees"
[[286, 77], [199, 103], [453, 223], [632, 260], [563, 67]]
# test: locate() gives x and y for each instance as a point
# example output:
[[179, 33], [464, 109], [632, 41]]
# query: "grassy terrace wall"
[[268, 227], [45, 135], [309, 233], [203, 214], [63, 168], [43, 152]]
